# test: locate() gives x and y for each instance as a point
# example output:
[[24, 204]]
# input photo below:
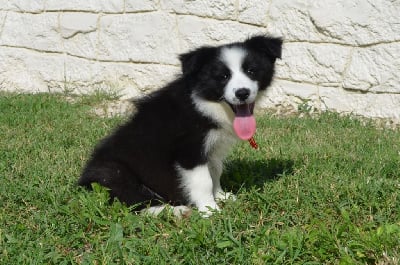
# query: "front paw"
[[223, 196]]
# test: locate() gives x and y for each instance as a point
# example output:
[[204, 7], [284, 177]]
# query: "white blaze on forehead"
[[233, 58]]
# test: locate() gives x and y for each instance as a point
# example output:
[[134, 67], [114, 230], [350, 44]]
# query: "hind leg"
[[123, 183]]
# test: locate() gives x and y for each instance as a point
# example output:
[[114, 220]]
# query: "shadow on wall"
[[246, 173]]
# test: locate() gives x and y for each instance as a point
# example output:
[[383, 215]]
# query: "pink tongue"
[[244, 127], [244, 123]]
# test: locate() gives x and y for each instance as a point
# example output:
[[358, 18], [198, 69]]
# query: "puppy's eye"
[[224, 77], [250, 71]]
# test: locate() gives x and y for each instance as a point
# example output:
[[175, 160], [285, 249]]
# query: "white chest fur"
[[218, 142]]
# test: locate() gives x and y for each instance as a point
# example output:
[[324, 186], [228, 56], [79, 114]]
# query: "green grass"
[[320, 190]]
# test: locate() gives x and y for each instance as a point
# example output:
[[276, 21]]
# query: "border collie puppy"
[[172, 149]]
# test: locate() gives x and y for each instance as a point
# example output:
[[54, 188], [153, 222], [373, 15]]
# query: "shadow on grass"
[[246, 173]]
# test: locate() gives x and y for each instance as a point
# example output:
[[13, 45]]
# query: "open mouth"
[[244, 123], [242, 110]]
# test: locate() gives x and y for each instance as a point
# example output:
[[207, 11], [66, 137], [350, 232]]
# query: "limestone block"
[[107, 6], [321, 64], [299, 90], [283, 92], [126, 79], [369, 105], [139, 80], [375, 69], [77, 22], [221, 9], [148, 37], [79, 32], [35, 31], [342, 21], [82, 45], [28, 71], [83, 76], [23, 5], [195, 31], [140, 5], [290, 18], [253, 12], [357, 22]]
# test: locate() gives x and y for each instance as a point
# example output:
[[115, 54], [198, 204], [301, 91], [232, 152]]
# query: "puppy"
[[172, 150]]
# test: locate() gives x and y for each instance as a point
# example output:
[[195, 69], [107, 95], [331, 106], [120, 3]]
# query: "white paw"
[[178, 211], [223, 196], [181, 211], [154, 210]]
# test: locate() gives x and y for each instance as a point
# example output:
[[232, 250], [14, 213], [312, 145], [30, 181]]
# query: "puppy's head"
[[233, 74]]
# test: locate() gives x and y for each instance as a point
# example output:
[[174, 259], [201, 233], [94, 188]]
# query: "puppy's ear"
[[194, 60], [270, 46]]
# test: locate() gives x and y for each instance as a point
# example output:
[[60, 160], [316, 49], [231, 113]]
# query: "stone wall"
[[341, 55]]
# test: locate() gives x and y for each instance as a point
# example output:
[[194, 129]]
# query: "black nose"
[[242, 93]]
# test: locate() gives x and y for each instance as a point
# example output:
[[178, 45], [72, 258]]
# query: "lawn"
[[320, 190]]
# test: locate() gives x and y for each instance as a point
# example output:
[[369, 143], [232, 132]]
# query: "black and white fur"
[[172, 149]]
